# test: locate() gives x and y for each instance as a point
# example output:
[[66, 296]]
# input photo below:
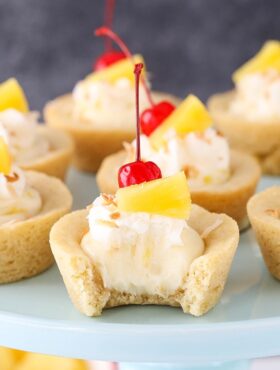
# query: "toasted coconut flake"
[[211, 228], [201, 136], [115, 215], [108, 199], [191, 171], [218, 132], [12, 178]]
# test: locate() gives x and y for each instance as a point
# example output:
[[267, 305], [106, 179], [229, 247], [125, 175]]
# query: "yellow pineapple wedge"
[[122, 69], [5, 158], [12, 96], [168, 196], [34, 361], [268, 57], [9, 358], [190, 115]]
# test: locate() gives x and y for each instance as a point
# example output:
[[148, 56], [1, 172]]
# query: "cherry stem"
[[108, 21], [107, 32], [137, 72]]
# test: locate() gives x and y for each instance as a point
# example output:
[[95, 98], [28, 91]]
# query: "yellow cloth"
[[11, 359]]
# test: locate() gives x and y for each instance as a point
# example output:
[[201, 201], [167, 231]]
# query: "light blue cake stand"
[[37, 315]]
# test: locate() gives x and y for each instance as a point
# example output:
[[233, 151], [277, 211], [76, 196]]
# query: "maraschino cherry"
[[110, 56], [138, 171], [107, 59], [151, 117]]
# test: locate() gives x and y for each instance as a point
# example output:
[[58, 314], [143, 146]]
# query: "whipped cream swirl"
[[140, 253], [257, 96], [102, 102], [204, 156], [19, 130], [18, 200]]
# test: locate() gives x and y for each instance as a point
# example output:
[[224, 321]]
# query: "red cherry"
[[138, 172], [108, 58], [152, 117]]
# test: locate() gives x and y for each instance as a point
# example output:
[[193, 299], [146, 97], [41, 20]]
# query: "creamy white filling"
[[140, 253], [18, 200], [257, 96], [102, 102], [19, 130], [205, 157]]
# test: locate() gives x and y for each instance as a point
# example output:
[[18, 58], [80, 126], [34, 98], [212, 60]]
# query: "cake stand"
[[37, 315]]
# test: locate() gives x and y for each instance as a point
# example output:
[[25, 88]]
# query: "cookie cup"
[[93, 141], [230, 197], [264, 214], [261, 139], [57, 161], [24, 245], [203, 284]]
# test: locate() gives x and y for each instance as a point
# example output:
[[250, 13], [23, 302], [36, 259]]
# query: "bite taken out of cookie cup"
[[229, 197], [24, 245], [57, 161], [261, 139], [93, 141], [204, 283], [264, 215]]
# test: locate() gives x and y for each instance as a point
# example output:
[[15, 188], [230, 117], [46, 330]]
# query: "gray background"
[[189, 45]]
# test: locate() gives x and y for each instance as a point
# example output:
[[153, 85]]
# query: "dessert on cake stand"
[[37, 315]]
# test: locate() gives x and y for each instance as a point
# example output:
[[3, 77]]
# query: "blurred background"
[[189, 45]]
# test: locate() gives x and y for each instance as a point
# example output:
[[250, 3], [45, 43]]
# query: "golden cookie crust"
[[204, 283], [57, 161], [261, 139], [92, 142], [230, 197], [24, 245], [264, 215]]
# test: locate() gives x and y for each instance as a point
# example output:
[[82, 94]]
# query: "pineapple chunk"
[[122, 69], [190, 115], [5, 158], [34, 361], [268, 57], [9, 358], [18, 354], [169, 197], [12, 96]]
